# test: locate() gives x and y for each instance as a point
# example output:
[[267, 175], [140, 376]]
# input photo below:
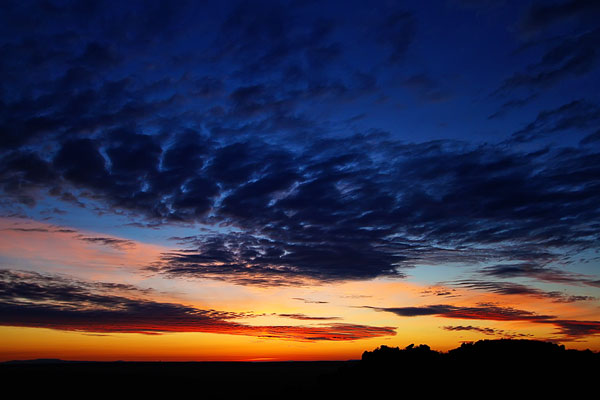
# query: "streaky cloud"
[[566, 329], [29, 299]]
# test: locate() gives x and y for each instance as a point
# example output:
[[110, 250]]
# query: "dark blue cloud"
[[571, 118], [333, 214], [396, 31], [571, 57], [542, 15], [267, 121]]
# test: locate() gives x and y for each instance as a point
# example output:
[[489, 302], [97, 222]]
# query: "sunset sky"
[[296, 180]]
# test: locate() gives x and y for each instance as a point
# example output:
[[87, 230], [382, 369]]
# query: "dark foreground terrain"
[[499, 367]]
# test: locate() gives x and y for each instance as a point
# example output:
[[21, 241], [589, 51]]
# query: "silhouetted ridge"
[[503, 366], [514, 368], [507, 348], [500, 350]]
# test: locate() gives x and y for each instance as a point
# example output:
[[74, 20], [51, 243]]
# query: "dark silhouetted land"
[[484, 367]]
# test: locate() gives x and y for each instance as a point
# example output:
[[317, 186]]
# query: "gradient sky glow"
[[290, 180]]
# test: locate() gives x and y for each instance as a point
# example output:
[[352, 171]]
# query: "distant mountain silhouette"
[[41, 361]]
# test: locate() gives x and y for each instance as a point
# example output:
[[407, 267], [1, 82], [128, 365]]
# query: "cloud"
[[118, 244], [260, 37], [538, 272], [305, 317], [49, 247], [510, 105], [98, 54], [34, 287], [479, 4], [426, 88], [483, 312], [29, 229], [485, 331], [573, 56], [234, 131], [22, 173], [591, 138], [439, 291], [308, 301], [576, 116], [575, 329], [47, 301], [516, 289], [542, 15], [567, 329], [337, 217], [41, 229], [321, 214], [396, 31], [288, 204], [247, 259]]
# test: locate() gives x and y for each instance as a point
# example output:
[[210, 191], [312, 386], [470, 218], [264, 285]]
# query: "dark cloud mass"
[[337, 213], [242, 117]]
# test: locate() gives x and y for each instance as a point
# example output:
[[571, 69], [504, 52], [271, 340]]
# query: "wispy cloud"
[[39, 300], [566, 329], [517, 289], [545, 274], [486, 331], [118, 244]]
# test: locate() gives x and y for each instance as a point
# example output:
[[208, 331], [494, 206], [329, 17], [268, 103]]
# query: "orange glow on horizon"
[[218, 320]]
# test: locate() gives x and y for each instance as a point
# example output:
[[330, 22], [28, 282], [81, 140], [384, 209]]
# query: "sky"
[[296, 180]]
